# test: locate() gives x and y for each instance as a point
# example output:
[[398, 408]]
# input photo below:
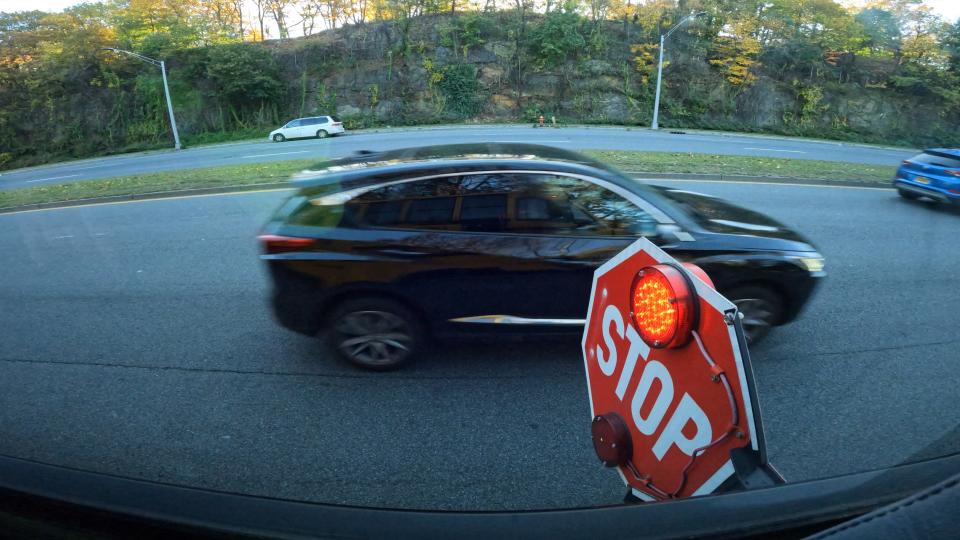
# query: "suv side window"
[[555, 204], [293, 123], [426, 204], [518, 203]]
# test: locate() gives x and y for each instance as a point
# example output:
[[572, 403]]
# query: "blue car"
[[934, 174]]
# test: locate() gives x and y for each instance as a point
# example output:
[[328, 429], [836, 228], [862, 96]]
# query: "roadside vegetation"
[[274, 174], [882, 71], [240, 176], [686, 162]]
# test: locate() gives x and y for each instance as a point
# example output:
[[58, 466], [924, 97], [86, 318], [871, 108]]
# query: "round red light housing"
[[664, 307], [699, 272], [611, 439]]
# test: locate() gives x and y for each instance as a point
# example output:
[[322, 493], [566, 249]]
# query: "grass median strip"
[[263, 173], [209, 177], [686, 162]]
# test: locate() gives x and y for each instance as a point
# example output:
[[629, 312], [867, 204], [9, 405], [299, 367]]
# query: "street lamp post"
[[656, 100], [166, 88]]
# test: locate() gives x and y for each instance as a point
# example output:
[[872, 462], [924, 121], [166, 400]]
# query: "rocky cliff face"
[[401, 73]]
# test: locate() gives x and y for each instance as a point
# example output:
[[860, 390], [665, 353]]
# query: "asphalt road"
[[136, 340], [604, 138]]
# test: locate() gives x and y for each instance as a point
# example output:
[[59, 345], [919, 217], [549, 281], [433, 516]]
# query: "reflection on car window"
[[533, 208], [384, 213], [565, 205], [499, 203], [483, 207], [433, 210]]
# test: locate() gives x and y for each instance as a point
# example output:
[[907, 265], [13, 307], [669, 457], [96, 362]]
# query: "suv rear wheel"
[[761, 307], [322, 134], [374, 333]]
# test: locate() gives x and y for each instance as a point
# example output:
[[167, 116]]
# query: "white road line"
[[101, 165], [774, 150], [52, 178], [277, 154]]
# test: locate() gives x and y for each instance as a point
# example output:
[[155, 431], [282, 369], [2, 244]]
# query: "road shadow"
[[938, 208], [473, 357], [493, 352]]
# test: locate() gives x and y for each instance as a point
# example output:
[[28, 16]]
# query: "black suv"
[[384, 249]]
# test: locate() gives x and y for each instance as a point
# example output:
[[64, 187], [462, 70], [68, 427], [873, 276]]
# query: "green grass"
[[263, 173], [685, 162], [231, 175]]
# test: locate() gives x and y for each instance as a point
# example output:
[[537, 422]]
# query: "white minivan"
[[312, 126]]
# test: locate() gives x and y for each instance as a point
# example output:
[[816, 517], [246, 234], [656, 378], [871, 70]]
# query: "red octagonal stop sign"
[[685, 408]]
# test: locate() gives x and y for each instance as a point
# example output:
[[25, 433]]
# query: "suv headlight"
[[813, 263]]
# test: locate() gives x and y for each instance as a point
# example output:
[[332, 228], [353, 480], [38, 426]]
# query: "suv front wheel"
[[761, 308], [374, 333]]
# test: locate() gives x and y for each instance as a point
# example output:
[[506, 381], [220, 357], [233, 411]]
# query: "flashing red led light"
[[663, 306]]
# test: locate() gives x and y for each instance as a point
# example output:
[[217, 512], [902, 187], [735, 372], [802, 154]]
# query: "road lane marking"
[[52, 178], [773, 150], [277, 154]]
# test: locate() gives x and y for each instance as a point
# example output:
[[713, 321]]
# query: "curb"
[[287, 185], [146, 196]]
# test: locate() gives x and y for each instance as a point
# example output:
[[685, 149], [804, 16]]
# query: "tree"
[[277, 10], [238, 13], [261, 8], [881, 30], [247, 80], [735, 55], [557, 39], [225, 23], [951, 44]]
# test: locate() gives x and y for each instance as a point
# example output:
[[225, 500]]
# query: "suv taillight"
[[274, 243], [953, 172]]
